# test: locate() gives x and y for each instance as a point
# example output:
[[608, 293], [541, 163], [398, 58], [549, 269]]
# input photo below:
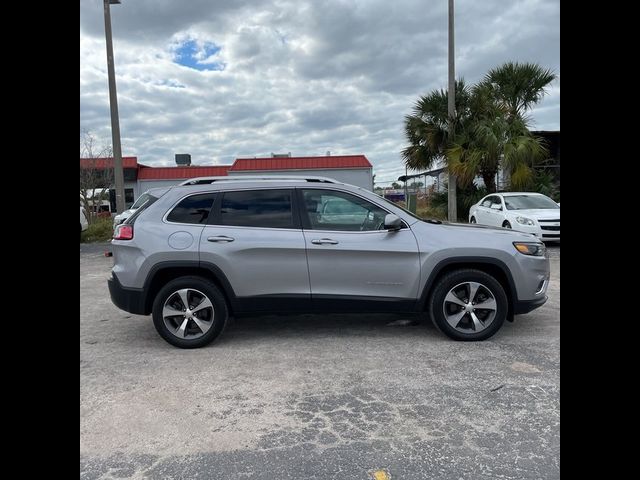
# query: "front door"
[[495, 215], [354, 263]]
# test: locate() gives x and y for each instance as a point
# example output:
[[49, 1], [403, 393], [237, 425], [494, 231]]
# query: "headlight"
[[524, 221], [531, 248]]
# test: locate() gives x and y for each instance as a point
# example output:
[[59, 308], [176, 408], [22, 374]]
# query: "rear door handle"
[[324, 241], [220, 238]]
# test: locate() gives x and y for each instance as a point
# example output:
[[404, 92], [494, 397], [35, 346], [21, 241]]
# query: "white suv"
[[523, 211]]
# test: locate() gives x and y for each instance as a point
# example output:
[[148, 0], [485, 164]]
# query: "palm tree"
[[515, 88], [492, 140], [427, 128], [490, 127]]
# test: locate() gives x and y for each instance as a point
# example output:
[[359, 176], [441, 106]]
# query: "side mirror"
[[495, 206], [392, 222]]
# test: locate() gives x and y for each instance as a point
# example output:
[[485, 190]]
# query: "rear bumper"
[[128, 299], [525, 306]]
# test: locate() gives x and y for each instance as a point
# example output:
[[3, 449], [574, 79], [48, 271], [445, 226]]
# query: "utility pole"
[[118, 174], [451, 97]]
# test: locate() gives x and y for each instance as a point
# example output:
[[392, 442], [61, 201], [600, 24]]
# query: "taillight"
[[123, 232]]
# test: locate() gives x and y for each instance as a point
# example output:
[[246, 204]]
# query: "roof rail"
[[248, 178]]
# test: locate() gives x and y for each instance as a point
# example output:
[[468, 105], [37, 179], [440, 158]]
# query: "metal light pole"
[[113, 102], [453, 207]]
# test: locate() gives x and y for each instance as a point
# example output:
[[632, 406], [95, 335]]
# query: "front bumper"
[[525, 306], [543, 234], [130, 300]]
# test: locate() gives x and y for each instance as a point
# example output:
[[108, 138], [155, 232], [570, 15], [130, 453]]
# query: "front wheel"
[[506, 225], [468, 305], [190, 312]]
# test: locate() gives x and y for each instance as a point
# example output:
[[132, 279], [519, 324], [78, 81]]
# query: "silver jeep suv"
[[194, 255]]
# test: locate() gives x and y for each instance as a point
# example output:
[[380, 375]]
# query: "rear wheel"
[[468, 305], [473, 220], [190, 312]]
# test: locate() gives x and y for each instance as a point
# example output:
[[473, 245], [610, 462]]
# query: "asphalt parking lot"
[[316, 397]]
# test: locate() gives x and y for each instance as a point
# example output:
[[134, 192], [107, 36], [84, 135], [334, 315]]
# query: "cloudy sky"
[[222, 79]]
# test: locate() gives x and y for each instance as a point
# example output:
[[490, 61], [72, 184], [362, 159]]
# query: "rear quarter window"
[[194, 209]]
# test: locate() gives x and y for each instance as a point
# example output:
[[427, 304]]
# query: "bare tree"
[[96, 174]]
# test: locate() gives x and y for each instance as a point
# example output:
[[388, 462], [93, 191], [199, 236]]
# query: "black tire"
[[506, 225], [473, 220], [220, 309], [456, 277]]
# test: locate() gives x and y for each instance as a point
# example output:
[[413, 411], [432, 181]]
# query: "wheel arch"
[[492, 266], [164, 272]]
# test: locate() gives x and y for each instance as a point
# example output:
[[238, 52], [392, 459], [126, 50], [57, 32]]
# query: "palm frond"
[[519, 86]]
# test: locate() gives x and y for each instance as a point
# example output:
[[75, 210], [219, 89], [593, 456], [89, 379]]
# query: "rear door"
[[255, 238], [354, 263]]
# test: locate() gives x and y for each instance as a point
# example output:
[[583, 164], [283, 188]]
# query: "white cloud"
[[300, 76]]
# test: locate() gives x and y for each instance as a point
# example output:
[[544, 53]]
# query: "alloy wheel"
[[188, 313], [470, 307]]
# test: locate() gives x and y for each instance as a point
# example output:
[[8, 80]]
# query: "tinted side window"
[[193, 209], [258, 208], [486, 202]]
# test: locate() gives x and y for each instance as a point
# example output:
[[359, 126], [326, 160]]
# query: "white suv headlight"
[[524, 221]]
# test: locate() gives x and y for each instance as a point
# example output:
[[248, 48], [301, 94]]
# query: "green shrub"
[[466, 197], [99, 230], [432, 213]]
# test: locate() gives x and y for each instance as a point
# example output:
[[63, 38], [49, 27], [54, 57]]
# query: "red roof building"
[[181, 173], [300, 163], [353, 169], [101, 163]]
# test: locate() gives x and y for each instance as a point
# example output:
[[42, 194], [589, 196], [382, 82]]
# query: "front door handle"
[[220, 238], [324, 241]]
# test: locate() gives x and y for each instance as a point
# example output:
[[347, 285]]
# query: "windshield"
[[524, 202], [141, 199]]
